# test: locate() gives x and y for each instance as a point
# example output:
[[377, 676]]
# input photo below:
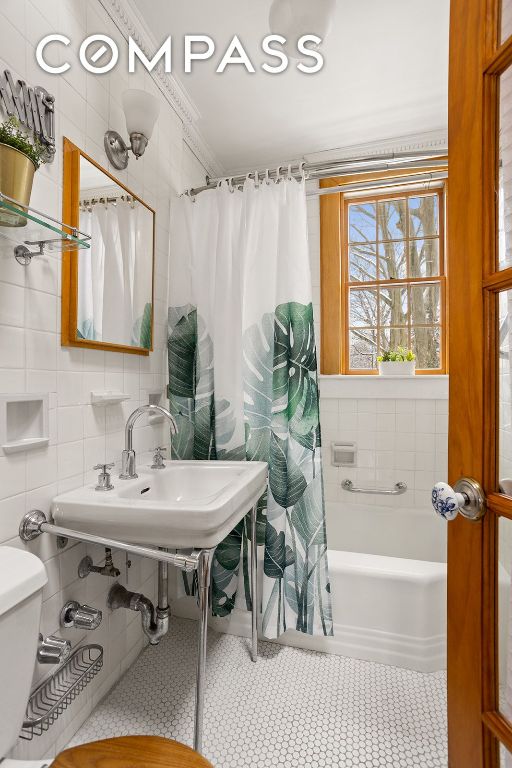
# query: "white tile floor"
[[294, 708]]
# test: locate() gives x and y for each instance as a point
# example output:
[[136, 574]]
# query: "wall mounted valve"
[[86, 566], [53, 650], [80, 616]]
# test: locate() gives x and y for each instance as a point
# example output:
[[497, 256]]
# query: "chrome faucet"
[[128, 470]]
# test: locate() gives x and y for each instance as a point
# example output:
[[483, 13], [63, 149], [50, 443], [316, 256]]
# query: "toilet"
[[22, 579]]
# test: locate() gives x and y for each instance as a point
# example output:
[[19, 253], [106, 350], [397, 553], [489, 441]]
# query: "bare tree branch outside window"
[[394, 273]]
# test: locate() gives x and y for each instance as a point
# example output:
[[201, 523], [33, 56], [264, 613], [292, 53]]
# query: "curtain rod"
[[410, 179], [326, 169], [104, 200]]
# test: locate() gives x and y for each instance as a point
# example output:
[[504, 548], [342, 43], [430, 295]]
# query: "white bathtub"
[[387, 569]]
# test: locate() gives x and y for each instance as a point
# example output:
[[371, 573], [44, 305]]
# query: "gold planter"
[[16, 177]]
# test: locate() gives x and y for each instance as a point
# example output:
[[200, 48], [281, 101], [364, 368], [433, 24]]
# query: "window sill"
[[392, 388]]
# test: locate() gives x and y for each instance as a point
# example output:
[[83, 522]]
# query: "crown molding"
[[131, 24], [431, 140]]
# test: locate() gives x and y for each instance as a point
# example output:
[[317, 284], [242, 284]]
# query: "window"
[[389, 259]]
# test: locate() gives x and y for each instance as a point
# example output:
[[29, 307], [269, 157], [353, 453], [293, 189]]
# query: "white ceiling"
[[386, 76]]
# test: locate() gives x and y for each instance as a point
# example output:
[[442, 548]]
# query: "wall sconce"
[[141, 111]]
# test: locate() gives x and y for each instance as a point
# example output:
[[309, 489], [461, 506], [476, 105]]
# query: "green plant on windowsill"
[[397, 355]]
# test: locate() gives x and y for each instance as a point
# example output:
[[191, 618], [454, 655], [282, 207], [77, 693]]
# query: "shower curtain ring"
[[230, 185], [278, 173], [302, 170], [289, 176], [267, 177], [256, 179]]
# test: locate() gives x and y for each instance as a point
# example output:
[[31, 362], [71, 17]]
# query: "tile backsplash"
[[33, 360]]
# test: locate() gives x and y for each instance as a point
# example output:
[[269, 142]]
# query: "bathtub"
[[387, 570], [388, 584]]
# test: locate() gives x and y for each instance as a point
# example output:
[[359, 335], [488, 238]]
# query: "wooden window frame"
[[334, 282]]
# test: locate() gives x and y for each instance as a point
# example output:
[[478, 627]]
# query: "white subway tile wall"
[[31, 356], [397, 439]]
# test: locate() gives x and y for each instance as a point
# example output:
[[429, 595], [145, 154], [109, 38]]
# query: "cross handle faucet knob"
[[158, 459], [104, 482]]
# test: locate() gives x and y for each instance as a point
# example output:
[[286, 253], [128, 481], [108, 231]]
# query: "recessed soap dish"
[[23, 422], [108, 397]]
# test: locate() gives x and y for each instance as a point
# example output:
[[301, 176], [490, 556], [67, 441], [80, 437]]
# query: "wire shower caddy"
[[54, 695]]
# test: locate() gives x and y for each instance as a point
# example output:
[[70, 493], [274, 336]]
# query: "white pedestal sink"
[[187, 504]]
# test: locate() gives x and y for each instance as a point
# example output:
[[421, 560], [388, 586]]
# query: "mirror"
[[107, 291]]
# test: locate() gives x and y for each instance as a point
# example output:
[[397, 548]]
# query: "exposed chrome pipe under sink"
[[155, 621]]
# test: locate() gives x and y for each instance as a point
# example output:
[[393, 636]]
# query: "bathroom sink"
[[187, 504]]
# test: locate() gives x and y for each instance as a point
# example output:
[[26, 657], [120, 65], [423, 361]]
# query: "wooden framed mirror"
[[108, 291]]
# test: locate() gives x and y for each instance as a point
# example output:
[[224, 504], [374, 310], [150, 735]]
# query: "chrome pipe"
[[413, 178], [254, 583], [203, 582], [34, 523], [163, 585], [155, 621]]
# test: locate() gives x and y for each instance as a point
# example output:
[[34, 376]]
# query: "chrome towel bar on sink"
[[399, 488]]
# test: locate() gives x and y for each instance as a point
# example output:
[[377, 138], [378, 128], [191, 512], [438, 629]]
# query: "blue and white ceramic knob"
[[446, 501]]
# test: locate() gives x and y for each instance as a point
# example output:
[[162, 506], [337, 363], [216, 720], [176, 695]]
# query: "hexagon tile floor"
[[294, 708]]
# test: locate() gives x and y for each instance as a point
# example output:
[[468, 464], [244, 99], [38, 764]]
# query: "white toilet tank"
[[22, 578]]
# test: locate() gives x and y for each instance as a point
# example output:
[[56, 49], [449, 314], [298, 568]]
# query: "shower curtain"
[[243, 386]]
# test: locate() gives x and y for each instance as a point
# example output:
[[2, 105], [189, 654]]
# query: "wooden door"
[[480, 348]]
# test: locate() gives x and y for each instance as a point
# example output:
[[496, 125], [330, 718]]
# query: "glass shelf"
[[31, 232]]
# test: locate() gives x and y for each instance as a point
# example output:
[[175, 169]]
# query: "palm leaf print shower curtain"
[[243, 386]]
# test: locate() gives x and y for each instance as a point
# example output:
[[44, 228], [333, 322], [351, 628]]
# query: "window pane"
[[426, 345], [424, 258], [363, 262], [363, 349], [363, 307], [423, 216], [393, 306], [505, 392], [506, 19], [504, 627], [505, 172], [505, 757], [362, 223], [392, 261], [391, 219], [425, 304], [391, 338]]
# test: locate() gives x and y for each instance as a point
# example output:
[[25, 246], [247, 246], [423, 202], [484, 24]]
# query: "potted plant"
[[397, 362], [20, 157]]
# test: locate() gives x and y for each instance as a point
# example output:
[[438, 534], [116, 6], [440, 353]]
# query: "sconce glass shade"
[[294, 18], [141, 110]]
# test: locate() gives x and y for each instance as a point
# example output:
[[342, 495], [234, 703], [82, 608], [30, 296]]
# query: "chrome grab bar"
[[399, 488]]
